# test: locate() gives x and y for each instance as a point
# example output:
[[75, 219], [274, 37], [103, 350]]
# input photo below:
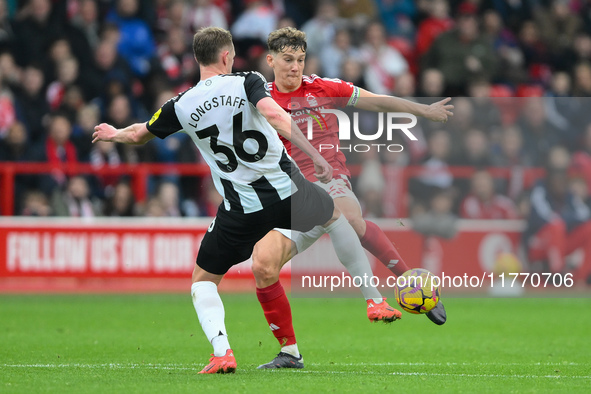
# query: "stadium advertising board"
[[155, 249]]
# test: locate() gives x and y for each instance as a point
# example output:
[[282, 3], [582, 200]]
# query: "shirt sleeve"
[[344, 93], [256, 88], [165, 122]]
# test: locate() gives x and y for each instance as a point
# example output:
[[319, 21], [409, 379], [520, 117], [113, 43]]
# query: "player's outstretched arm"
[[282, 122], [135, 134], [437, 112]]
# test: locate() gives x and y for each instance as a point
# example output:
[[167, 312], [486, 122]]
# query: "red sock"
[[277, 312], [375, 241]]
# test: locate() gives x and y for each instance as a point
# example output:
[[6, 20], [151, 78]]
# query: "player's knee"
[[358, 224], [264, 273], [265, 264], [196, 277]]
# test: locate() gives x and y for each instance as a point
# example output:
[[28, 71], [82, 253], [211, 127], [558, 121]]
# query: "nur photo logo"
[[388, 123]]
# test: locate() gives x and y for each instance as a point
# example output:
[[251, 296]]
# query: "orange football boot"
[[382, 312], [223, 364]]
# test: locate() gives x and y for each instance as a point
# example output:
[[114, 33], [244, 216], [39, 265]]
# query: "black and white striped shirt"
[[249, 164]]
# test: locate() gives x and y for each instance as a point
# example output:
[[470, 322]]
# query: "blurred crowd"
[[519, 72]]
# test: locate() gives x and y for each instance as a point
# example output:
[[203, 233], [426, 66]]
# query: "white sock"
[[304, 240], [291, 349], [210, 311], [351, 254]]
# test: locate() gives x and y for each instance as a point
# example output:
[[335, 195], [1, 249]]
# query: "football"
[[415, 291]]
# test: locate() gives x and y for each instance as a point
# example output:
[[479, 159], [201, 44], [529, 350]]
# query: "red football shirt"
[[304, 105]]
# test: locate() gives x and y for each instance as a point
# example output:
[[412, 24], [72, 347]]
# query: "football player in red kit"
[[287, 54]]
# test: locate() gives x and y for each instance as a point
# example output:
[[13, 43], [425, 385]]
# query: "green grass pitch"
[[154, 344]]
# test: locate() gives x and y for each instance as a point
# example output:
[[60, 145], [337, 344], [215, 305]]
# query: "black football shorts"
[[231, 237]]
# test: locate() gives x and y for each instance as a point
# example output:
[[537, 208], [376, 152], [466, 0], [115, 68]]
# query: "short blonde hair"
[[208, 42]]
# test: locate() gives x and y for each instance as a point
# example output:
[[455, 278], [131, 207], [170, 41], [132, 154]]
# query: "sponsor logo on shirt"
[[311, 100]]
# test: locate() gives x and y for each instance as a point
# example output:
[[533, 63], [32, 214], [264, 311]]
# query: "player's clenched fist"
[[323, 170], [103, 132]]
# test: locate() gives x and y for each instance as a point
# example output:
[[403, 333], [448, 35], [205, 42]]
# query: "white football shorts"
[[337, 187]]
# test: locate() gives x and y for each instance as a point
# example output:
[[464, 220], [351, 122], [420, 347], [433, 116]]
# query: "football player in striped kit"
[[234, 122]]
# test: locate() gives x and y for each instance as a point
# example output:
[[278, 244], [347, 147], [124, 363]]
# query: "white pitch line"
[[106, 366], [198, 366], [465, 375], [490, 375], [360, 364], [442, 364]]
